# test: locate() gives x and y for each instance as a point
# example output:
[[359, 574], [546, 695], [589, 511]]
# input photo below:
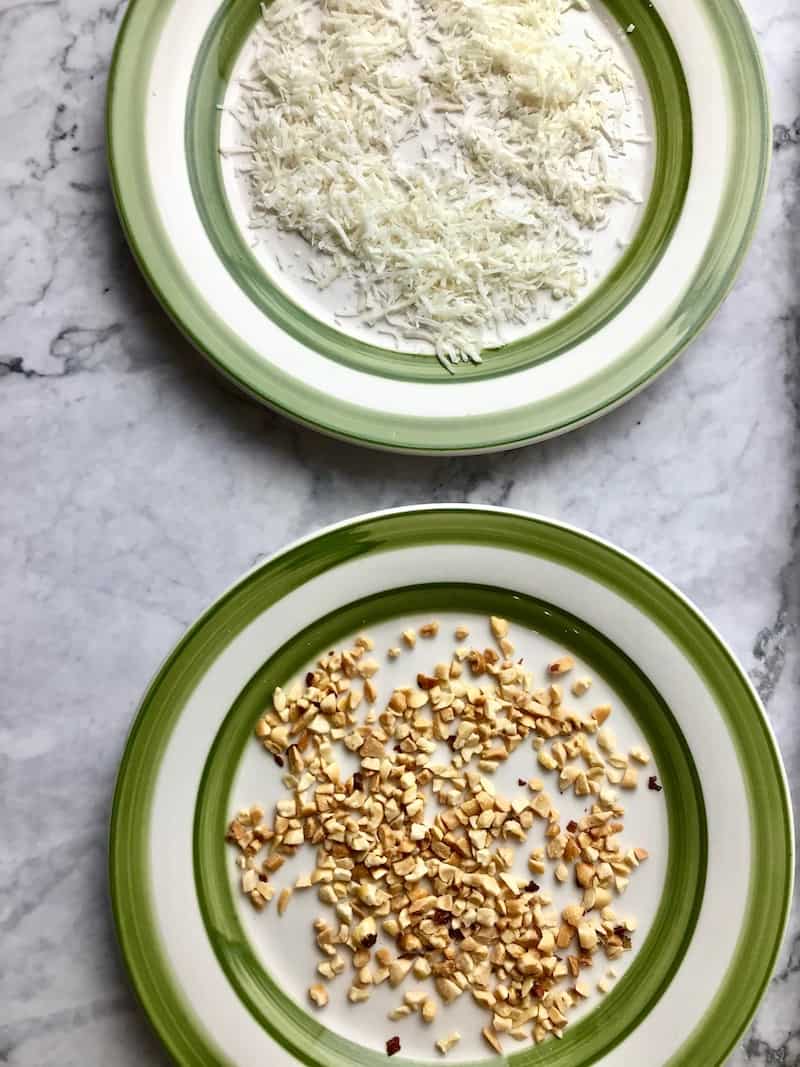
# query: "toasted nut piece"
[[318, 995], [546, 761], [562, 665], [430, 629], [587, 935], [414, 998], [639, 754], [584, 874], [365, 932], [410, 637], [283, 900], [398, 969], [499, 627], [428, 1010], [491, 1039], [447, 989], [444, 1044], [580, 686], [368, 667], [606, 739], [573, 914], [279, 737], [601, 713], [357, 994], [630, 778]]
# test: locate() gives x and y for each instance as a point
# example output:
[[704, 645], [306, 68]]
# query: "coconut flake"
[[448, 157]]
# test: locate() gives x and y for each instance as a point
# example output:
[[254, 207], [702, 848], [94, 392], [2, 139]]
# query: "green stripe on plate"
[[584, 1042], [770, 812], [747, 166]]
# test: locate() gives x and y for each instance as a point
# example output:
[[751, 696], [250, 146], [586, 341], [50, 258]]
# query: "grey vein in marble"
[[135, 487]]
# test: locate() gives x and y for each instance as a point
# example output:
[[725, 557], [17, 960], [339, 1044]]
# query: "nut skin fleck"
[[393, 1046], [652, 783]]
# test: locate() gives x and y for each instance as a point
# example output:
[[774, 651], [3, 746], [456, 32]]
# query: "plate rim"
[[593, 396], [220, 902], [117, 849]]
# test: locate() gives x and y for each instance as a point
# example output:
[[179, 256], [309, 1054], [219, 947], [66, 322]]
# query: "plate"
[[223, 984], [696, 61]]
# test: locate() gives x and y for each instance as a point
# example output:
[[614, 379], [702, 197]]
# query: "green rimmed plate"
[[706, 98], [224, 985]]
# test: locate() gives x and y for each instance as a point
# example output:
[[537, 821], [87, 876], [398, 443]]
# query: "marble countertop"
[[135, 487]]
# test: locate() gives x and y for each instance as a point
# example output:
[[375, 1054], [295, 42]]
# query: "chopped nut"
[[398, 970], [584, 874], [414, 998], [447, 989], [492, 1040], [318, 995], [601, 713], [606, 739], [629, 778], [365, 933], [581, 686], [357, 994], [423, 849], [444, 1044], [562, 665], [587, 935], [283, 900]]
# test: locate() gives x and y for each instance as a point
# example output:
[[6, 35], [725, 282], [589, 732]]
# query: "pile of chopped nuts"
[[417, 853]]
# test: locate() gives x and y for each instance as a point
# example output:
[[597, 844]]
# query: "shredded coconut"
[[450, 158]]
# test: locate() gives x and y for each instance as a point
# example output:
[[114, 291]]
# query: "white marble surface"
[[135, 487]]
